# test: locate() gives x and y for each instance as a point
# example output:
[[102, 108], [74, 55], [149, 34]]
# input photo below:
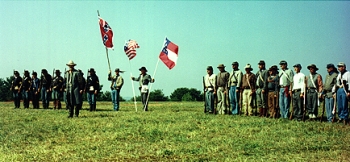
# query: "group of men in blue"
[[71, 88], [270, 92]]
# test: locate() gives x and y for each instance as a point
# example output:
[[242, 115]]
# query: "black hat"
[[143, 68], [34, 73], [235, 63], [330, 65], [92, 70], [57, 71], [43, 71], [283, 62], [26, 72], [273, 67], [118, 70], [16, 72], [262, 62], [209, 68], [297, 65], [312, 66]]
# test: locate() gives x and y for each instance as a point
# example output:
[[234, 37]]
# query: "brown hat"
[[312, 66], [273, 67], [221, 66]]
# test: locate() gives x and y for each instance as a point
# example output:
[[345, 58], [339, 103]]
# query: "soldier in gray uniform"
[[74, 88], [261, 88], [329, 91], [314, 88], [222, 89], [285, 92], [144, 79]]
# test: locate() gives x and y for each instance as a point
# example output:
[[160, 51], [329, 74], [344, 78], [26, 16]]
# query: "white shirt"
[[210, 81], [299, 82], [346, 77]]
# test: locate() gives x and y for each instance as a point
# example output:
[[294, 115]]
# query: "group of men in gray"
[[270, 92]]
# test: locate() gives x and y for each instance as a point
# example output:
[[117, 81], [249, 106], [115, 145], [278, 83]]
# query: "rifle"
[[304, 111], [291, 104], [334, 112], [227, 102], [215, 98], [240, 102], [204, 97], [323, 108]]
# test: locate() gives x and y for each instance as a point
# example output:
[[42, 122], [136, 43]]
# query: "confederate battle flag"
[[106, 33]]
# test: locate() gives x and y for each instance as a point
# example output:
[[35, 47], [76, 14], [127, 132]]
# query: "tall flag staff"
[[168, 55], [130, 51], [107, 35]]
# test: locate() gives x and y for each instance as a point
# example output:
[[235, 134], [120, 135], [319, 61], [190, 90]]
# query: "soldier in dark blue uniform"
[[34, 89], [57, 89], [15, 88], [25, 88], [92, 88], [45, 86]]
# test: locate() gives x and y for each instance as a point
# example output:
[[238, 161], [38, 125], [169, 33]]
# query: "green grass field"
[[170, 131]]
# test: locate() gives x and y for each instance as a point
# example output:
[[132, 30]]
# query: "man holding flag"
[[144, 79]]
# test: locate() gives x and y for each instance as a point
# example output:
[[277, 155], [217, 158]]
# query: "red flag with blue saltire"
[[169, 53], [106, 33], [130, 48]]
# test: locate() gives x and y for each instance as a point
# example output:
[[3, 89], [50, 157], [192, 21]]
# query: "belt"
[[311, 88], [209, 87], [246, 87], [281, 86], [296, 90]]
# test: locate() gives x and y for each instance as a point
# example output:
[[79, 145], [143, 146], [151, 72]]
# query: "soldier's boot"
[[94, 107], [261, 112], [54, 104], [77, 108], [265, 113], [59, 106], [44, 105], [91, 107]]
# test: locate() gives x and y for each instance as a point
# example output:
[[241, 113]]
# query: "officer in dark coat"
[[15, 88], [34, 89], [92, 88], [57, 89], [25, 88], [45, 88], [74, 88]]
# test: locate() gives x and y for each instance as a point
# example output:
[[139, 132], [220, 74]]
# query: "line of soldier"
[[32, 88], [271, 91]]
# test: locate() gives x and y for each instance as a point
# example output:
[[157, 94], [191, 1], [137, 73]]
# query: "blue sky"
[[47, 34]]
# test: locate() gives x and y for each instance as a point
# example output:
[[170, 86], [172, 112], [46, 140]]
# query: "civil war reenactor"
[[57, 89], [15, 88], [74, 89], [222, 89], [329, 91], [343, 92], [210, 90], [314, 87], [45, 88], [272, 90], [35, 93], [235, 82], [261, 88], [25, 88], [82, 85], [298, 90], [144, 79], [285, 92], [92, 88], [249, 88], [117, 83]]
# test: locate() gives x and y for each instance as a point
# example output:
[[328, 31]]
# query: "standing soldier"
[[298, 92], [57, 89], [343, 93], [235, 81], [144, 79], [92, 88], [272, 87], [74, 81], [261, 91], [82, 85], [45, 85], [329, 90], [210, 89], [249, 87], [35, 93], [314, 88], [25, 88], [222, 85], [117, 83], [65, 91], [286, 79], [15, 88]]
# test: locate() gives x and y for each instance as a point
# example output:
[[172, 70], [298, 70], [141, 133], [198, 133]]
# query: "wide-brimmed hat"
[[273, 67], [209, 68], [283, 62], [143, 68], [57, 71], [261, 62], [26, 72], [91, 70], [312, 66], [221, 66], [43, 71], [118, 70], [297, 65], [71, 63], [341, 64], [248, 66], [235, 63]]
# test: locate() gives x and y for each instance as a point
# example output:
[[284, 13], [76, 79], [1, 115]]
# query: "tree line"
[[179, 94]]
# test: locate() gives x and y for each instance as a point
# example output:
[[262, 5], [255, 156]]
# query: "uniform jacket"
[[117, 81], [16, 83], [261, 79], [92, 83], [57, 83], [26, 83], [74, 84], [45, 81]]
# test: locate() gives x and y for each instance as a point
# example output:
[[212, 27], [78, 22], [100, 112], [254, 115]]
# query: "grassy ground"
[[170, 131]]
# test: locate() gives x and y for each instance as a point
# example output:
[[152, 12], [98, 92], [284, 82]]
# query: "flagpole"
[[109, 65], [133, 88], [149, 90]]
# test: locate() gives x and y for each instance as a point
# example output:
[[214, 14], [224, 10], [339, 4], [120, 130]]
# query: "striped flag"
[[130, 48], [169, 53]]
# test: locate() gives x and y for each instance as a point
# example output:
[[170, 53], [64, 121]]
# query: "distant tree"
[[191, 94], [138, 98], [195, 94], [178, 93], [187, 97], [5, 85], [157, 95]]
